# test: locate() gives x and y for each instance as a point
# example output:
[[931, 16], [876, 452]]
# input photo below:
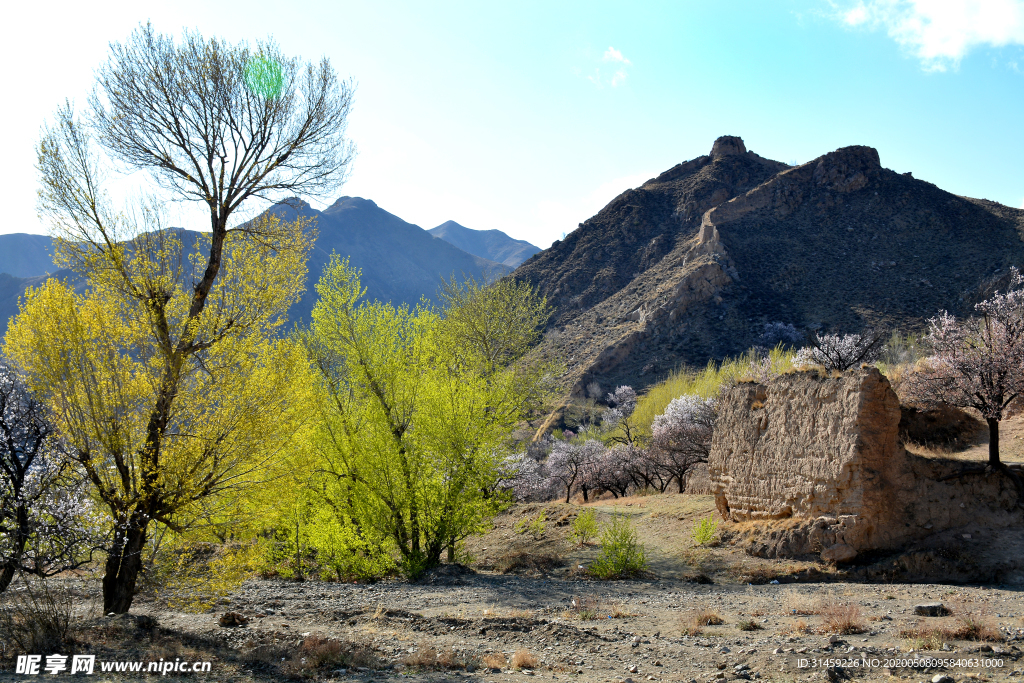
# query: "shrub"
[[842, 618], [495, 661], [704, 530], [749, 625], [522, 659], [584, 528], [622, 555], [522, 561], [37, 618], [694, 621]]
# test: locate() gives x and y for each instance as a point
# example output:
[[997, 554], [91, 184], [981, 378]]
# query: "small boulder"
[[840, 552], [942, 678], [931, 609], [232, 619]]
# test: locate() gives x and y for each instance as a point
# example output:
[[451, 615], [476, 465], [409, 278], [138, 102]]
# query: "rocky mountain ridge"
[[693, 264]]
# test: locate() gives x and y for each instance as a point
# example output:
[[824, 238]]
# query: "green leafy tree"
[[416, 421]]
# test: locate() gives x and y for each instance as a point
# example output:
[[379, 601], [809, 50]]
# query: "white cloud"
[[940, 32], [618, 76], [613, 55]]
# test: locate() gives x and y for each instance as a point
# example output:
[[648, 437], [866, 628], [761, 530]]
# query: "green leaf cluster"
[[416, 409]]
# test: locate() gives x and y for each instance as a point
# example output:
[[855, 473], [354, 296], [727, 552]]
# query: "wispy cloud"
[[940, 32], [613, 55], [618, 70]]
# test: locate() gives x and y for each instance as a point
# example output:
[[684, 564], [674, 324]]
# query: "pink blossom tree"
[[978, 363]]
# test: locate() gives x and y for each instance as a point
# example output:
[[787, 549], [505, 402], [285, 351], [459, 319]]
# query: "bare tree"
[[210, 122], [978, 363]]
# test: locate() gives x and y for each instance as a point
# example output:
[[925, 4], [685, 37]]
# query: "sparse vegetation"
[[583, 528], [622, 554], [694, 620], [523, 659], [841, 617], [705, 531]]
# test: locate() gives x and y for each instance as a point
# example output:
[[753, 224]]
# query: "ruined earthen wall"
[[824, 451]]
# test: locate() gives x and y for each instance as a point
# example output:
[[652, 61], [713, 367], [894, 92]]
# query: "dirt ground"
[[469, 624]]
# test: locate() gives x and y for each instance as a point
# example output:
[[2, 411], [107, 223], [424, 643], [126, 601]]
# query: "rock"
[[728, 145], [633, 669], [834, 640], [232, 619], [930, 609], [840, 552], [657, 662], [942, 678]]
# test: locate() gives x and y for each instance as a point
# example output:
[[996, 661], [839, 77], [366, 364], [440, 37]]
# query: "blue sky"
[[530, 116]]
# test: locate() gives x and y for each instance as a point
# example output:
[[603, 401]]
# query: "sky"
[[529, 117]]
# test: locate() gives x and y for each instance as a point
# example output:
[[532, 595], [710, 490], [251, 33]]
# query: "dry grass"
[[840, 617], [795, 602], [693, 622], [969, 623], [318, 654], [799, 627], [584, 608], [522, 659], [495, 661], [749, 625]]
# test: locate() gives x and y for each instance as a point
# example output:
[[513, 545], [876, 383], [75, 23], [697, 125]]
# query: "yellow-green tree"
[[416, 420], [163, 375], [165, 412]]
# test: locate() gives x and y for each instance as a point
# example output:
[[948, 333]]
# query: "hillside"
[[493, 245], [24, 255], [401, 262], [692, 265]]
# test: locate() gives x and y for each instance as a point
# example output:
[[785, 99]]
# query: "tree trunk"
[[21, 532], [123, 565], [682, 483], [585, 500], [993, 442]]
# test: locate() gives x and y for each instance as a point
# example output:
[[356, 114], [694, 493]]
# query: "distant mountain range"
[[493, 245], [400, 262], [693, 264]]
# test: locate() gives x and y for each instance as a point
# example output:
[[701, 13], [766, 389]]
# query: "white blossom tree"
[[46, 518], [574, 465], [840, 353], [681, 436], [978, 362]]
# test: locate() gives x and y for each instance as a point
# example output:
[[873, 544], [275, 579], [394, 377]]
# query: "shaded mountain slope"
[[25, 255], [834, 244], [401, 262], [493, 245]]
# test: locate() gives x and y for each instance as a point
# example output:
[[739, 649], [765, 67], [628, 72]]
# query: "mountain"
[[401, 262], [24, 255], [693, 264], [493, 245]]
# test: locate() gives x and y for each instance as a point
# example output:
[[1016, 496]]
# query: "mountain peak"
[[493, 245], [353, 202], [728, 145]]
